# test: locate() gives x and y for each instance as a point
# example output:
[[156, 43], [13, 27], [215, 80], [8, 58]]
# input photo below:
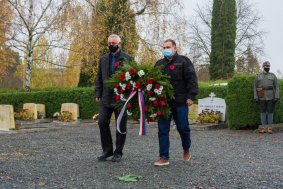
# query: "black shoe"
[[117, 158], [104, 156]]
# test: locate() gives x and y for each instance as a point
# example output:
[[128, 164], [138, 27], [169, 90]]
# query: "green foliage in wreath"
[[148, 79]]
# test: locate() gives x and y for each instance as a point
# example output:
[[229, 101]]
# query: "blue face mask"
[[168, 53]]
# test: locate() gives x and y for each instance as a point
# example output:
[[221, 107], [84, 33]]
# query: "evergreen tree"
[[223, 35], [107, 18]]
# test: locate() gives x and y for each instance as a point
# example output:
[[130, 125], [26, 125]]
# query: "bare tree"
[[33, 19], [158, 20], [248, 32]]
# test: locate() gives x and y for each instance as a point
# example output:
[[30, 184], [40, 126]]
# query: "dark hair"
[[172, 41]]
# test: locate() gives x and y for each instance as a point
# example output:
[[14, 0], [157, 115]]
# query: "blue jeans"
[[180, 116]]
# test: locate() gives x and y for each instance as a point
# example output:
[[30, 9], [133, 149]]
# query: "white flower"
[[129, 113], [134, 84], [95, 116], [123, 86], [159, 92], [116, 91], [128, 76], [122, 97], [156, 90], [153, 115], [152, 98], [56, 114], [141, 73], [149, 87], [161, 88]]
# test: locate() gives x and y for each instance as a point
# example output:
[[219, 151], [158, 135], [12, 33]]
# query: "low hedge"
[[53, 100], [241, 108], [204, 91]]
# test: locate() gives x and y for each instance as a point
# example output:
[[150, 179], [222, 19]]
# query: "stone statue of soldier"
[[266, 94]]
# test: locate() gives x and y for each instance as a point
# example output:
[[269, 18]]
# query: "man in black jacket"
[[184, 81], [108, 63]]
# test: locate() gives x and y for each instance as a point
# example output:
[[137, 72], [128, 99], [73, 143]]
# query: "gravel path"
[[65, 157]]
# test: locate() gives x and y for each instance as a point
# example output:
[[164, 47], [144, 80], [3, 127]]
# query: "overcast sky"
[[272, 13]]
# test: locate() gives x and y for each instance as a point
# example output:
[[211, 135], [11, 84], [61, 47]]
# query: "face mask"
[[113, 48], [266, 69], [168, 53]]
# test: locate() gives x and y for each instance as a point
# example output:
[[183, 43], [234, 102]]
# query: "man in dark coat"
[[108, 63], [184, 81]]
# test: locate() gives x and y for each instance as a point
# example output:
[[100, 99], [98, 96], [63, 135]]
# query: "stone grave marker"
[[7, 120], [71, 107], [213, 103], [193, 113], [32, 107], [41, 109]]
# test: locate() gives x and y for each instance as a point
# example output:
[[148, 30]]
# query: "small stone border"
[[36, 121], [208, 126]]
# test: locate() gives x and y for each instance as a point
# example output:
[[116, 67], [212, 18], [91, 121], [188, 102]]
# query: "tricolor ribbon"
[[142, 112]]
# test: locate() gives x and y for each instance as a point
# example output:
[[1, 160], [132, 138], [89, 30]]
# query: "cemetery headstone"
[[213, 103], [7, 120], [71, 107]]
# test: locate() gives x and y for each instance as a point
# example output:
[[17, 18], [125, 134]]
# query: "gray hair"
[[115, 36]]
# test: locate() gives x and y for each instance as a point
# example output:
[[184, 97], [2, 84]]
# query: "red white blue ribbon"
[[142, 112]]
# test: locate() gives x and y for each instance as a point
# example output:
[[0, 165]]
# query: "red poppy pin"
[[116, 64], [172, 67]]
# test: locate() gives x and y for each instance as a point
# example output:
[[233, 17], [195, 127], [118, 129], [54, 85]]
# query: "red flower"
[[121, 91], [150, 119], [128, 86], [155, 103], [149, 80], [159, 113], [146, 109], [172, 67], [162, 103], [162, 98], [122, 77], [129, 106], [157, 86], [117, 98], [116, 64], [116, 85], [149, 93], [132, 71], [138, 85]]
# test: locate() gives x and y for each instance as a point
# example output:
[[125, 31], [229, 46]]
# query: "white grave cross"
[[212, 103]]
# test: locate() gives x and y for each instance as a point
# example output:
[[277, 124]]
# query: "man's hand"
[[97, 99], [189, 102], [256, 100]]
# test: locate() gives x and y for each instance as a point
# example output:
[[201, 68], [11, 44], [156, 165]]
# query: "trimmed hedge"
[[53, 100], [241, 107], [205, 90]]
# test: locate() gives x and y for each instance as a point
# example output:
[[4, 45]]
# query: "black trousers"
[[105, 132]]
